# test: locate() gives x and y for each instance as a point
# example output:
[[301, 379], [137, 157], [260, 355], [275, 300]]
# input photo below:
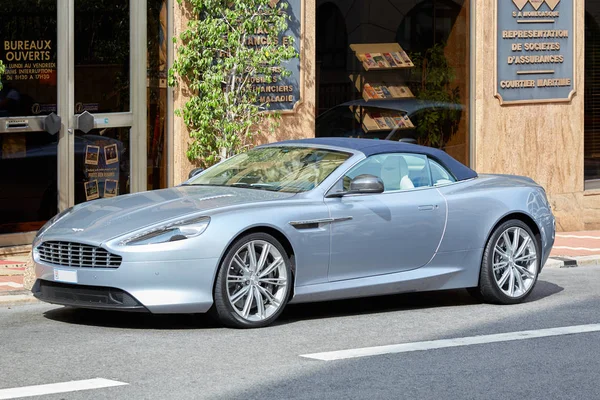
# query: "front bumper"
[[175, 286]]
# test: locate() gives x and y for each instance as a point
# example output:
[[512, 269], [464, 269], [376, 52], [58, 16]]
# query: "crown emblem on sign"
[[536, 4]]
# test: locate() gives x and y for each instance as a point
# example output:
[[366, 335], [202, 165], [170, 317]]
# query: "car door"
[[394, 231]]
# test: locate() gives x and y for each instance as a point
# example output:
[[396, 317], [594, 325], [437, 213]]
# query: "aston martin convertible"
[[300, 221]]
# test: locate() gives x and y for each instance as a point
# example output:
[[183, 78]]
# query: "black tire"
[[223, 310], [488, 289]]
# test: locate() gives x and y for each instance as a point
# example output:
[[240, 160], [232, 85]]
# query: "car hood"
[[101, 220]]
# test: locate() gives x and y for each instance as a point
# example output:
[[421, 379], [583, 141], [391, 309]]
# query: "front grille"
[[69, 254]]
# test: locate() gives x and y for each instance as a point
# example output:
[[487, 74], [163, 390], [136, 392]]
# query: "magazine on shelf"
[[368, 61], [398, 59], [379, 120], [400, 91], [380, 60], [370, 92], [406, 59], [386, 92], [391, 60]]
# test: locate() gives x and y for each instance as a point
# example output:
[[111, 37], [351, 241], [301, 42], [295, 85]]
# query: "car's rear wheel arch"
[[526, 219], [521, 217]]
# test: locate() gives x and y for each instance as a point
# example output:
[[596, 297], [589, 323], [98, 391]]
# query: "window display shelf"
[[382, 56], [388, 89], [379, 79], [374, 120]]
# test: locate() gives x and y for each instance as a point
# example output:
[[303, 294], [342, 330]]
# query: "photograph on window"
[[395, 70], [101, 164]]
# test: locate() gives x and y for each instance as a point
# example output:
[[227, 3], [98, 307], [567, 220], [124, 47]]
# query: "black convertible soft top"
[[371, 147]]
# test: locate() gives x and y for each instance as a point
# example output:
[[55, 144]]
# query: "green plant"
[[218, 61], [436, 77]]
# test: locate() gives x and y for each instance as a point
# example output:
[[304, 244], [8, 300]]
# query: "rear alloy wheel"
[[510, 265], [253, 283]]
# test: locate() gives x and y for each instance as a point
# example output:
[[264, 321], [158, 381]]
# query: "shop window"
[[406, 74], [332, 53], [592, 96], [102, 56]]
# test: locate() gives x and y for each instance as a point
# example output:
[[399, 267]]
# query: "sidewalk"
[[570, 249], [12, 269]]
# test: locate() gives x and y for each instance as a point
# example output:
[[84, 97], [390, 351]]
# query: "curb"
[[20, 297], [571, 262]]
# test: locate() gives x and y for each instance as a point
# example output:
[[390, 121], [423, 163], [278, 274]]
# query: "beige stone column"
[[542, 141]]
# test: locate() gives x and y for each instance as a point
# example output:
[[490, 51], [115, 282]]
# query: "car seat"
[[394, 174]]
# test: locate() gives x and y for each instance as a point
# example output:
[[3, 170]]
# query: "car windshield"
[[279, 169]]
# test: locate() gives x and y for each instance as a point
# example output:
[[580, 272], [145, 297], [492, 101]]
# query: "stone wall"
[[542, 141]]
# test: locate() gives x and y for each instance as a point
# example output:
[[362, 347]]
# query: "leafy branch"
[[437, 77], [228, 50]]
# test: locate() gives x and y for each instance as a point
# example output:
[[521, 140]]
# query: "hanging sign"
[[535, 43]]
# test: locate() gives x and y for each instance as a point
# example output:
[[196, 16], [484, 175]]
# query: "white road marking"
[[445, 343], [576, 248], [11, 284], [578, 237], [63, 387]]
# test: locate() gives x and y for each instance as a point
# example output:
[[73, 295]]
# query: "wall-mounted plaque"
[[535, 59], [282, 93]]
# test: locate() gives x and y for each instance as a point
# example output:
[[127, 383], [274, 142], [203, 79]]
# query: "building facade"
[[504, 86]]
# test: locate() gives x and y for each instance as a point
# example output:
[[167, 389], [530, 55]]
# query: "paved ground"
[[575, 244], [12, 269], [189, 357]]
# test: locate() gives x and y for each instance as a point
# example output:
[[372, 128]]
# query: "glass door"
[[101, 104], [29, 124], [72, 109]]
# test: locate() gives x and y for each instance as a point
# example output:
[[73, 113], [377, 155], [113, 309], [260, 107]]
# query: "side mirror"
[[195, 172], [366, 184], [362, 184]]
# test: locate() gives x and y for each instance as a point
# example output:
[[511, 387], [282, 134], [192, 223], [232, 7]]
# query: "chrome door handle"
[[428, 207]]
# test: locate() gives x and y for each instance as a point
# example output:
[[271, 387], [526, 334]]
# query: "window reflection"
[[101, 56], [403, 75], [157, 94]]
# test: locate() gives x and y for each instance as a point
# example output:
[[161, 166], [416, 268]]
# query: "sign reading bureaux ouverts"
[[535, 51]]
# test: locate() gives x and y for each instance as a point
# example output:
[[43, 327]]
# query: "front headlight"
[[169, 232]]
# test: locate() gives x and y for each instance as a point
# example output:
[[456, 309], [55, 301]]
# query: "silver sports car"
[[300, 221]]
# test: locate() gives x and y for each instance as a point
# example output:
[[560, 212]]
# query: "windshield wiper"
[[260, 186]]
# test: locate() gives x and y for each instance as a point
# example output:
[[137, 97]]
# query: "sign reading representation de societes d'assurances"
[[535, 51]]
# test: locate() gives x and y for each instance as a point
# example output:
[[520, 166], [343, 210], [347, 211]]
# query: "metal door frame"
[[135, 119]]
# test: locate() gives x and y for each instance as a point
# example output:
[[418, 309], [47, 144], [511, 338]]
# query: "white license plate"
[[62, 275]]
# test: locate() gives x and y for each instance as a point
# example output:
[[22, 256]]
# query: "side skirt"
[[451, 270]]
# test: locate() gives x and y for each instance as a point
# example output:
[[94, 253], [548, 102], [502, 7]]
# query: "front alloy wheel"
[[253, 283]]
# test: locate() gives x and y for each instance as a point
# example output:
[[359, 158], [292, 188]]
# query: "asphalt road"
[[190, 357]]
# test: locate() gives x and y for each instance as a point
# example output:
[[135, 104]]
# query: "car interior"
[[401, 171]]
